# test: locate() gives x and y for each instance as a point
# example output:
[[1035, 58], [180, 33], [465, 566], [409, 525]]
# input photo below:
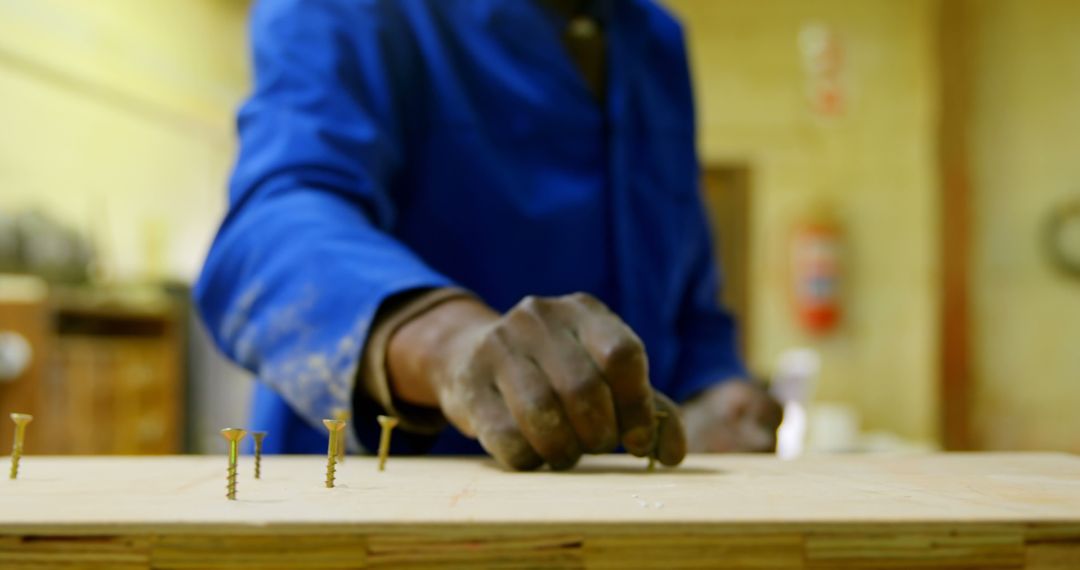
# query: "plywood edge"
[[641, 546], [1043, 531]]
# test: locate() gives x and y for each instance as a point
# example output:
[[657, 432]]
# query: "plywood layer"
[[931, 511]]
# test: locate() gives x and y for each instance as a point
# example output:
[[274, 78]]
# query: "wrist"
[[422, 351]]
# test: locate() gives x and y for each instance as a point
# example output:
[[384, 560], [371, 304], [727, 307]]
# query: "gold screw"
[[335, 427], [343, 415], [388, 423], [258, 436], [17, 447], [233, 436]]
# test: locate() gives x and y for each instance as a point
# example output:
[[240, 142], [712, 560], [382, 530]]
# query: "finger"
[[671, 442], [585, 396], [771, 413], [497, 431], [587, 399], [620, 357], [533, 403], [473, 380]]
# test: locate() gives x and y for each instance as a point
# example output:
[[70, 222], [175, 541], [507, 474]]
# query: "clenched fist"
[[551, 379]]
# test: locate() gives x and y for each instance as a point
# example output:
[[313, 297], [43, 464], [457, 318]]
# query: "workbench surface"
[[929, 511]]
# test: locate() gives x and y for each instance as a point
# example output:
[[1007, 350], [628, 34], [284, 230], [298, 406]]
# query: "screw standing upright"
[[233, 436], [258, 437], [334, 427], [17, 446], [388, 423], [343, 415]]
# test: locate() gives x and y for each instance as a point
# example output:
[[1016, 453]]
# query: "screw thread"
[[16, 454], [258, 465], [230, 488], [331, 469]]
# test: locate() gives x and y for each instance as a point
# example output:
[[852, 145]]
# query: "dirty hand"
[[734, 416], [551, 379]]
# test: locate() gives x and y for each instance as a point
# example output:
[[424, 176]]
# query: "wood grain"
[[931, 511]]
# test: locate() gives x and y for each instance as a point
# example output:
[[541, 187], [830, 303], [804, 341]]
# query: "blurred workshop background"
[[894, 184]]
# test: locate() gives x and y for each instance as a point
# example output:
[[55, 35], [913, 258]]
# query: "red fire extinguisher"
[[816, 271]]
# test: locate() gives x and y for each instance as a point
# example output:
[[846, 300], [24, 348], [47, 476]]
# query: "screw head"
[[21, 419], [387, 421], [233, 434], [258, 435], [334, 425]]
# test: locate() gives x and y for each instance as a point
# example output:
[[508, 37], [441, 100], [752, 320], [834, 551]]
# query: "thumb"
[[671, 433]]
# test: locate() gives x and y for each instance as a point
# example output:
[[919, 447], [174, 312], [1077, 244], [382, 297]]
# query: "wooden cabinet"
[[23, 314], [107, 376]]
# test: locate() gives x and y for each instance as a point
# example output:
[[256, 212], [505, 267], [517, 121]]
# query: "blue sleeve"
[[303, 259]]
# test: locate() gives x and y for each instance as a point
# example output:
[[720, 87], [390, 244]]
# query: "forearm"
[[272, 293]]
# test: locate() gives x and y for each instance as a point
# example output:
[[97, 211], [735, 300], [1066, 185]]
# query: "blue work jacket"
[[391, 145]]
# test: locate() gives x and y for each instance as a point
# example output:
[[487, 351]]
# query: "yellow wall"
[[1025, 131], [876, 166], [117, 118]]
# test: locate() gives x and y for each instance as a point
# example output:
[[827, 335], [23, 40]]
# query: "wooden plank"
[[1053, 556], [968, 547], [483, 548], [1053, 547], [160, 494], [694, 548], [259, 552], [928, 511], [74, 552]]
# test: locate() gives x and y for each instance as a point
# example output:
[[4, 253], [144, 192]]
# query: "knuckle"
[[582, 388], [541, 413], [472, 395], [624, 351], [497, 340], [521, 318], [533, 305], [472, 371]]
